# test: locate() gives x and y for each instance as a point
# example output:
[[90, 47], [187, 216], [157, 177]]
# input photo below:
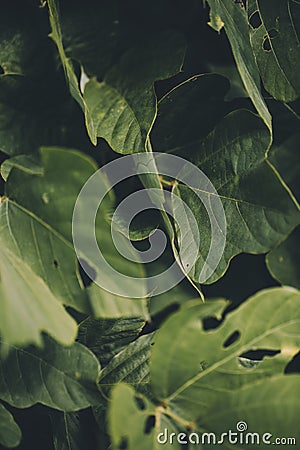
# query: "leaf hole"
[[149, 424], [234, 337], [123, 443], [140, 403], [259, 355], [267, 44], [2, 71], [294, 365], [210, 323], [55, 263], [84, 270], [255, 20]]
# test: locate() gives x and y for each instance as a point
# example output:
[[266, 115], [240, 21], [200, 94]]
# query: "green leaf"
[[69, 69], [123, 106], [10, 433], [106, 338], [128, 424], [276, 47], [236, 26], [36, 221], [265, 406], [192, 383], [130, 365], [61, 377], [233, 158], [28, 307], [202, 381], [24, 162], [284, 263]]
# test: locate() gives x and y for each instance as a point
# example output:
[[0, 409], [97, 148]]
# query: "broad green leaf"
[[70, 74], [284, 263], [259, 211], [236, 26], [202, 367], [106, 338], [123, 106], [36, 220], [131, 418], [61, 377], [27, 305], [24, 162], [269, 408], [10, 433], [276, 47]]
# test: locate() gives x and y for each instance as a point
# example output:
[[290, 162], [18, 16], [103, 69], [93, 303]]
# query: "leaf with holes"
[[193, 383], [138, 422], [276, 45], [61, 377]]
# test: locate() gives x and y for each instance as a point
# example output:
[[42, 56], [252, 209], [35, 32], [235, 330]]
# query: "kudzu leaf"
[[136, 421], [123, 106], [193, 383], [233, 158], [276, 47], [10, 433], [60, 377], [235, 21]]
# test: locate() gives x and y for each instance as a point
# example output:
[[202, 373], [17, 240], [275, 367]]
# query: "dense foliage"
[[83, 83]]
